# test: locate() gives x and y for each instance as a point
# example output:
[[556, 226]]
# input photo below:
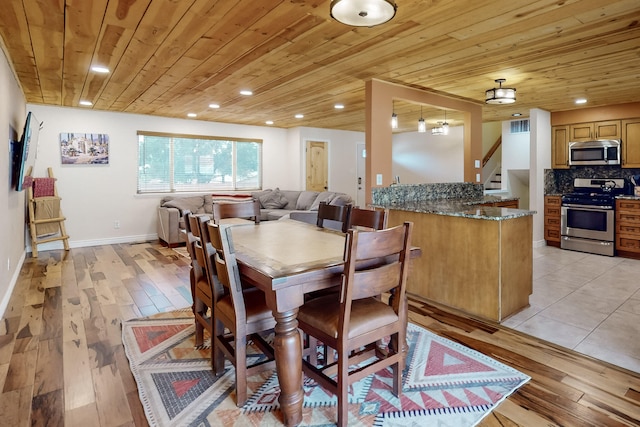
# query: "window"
[[175, 163]]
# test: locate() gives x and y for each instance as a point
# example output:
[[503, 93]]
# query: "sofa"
[[275, 204]]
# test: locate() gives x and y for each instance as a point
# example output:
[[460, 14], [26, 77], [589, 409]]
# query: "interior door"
[[361, 183], [317, 166]]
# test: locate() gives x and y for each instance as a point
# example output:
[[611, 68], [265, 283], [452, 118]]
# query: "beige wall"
[[379, 106]]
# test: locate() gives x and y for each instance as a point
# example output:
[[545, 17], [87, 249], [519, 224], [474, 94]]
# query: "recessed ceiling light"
[[214, 106], [338, 106], [581, 101], [192, 115], [269, 122], [246, 92], [516, 114], [86, 103], [99, 69], [299, 116]]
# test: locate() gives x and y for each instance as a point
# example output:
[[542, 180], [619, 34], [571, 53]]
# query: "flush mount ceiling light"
[[500, 95], [422, 126], [363, 13]]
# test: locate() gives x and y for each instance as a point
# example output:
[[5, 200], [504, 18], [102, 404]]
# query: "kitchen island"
[[476, 257]]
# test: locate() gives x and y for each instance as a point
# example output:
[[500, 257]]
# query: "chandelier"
[[500, 95]]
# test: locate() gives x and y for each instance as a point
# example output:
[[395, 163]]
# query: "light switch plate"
[[477, 177], [379, 179], [477, 163]]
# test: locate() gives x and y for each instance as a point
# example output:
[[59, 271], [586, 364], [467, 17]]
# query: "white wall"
[[342, 157], [94, 197], [540, 160], [12, 207], [425, 158]]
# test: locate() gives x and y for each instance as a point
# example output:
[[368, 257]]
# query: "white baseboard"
[[94, 242], [12, 284]]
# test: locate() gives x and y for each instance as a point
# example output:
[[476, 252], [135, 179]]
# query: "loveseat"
[[274, 204]]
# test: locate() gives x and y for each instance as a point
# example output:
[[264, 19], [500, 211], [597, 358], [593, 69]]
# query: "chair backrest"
[[194, 226], [375, 262], [227, 267], [374, 219], [190, 240], [249, 210], [208, 251], [335, 213]]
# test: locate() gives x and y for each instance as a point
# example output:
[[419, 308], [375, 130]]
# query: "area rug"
[[445, 383]]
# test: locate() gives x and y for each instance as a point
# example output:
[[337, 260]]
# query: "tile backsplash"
[[559, 181]]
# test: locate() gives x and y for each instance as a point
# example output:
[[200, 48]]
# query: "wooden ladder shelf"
[[55, 233]]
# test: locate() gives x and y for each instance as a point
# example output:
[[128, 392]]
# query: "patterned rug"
[[445, 384]]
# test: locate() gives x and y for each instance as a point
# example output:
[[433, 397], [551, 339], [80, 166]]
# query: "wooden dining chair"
[[248, 210], [333, 216], [355, 323], [374, 219], [195, 270], [241, 310], [203, 293]]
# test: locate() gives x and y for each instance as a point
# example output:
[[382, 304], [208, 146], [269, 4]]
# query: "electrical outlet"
[[379, 179], [116, 224]]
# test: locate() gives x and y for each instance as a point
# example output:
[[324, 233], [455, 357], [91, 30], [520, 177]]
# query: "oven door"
[[587, 222]]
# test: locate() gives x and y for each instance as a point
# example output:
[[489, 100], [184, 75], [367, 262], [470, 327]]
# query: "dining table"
[[288, 259]]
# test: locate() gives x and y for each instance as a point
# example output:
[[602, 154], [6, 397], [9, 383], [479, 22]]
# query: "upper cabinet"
[[631, 143], [560, 147], [609, 129]]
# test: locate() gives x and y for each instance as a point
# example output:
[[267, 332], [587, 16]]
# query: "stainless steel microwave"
[[600, 152]]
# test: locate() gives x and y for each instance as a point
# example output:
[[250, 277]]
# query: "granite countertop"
[[467, 208]]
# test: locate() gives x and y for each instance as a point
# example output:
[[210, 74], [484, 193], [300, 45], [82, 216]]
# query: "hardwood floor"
[[62, 360]]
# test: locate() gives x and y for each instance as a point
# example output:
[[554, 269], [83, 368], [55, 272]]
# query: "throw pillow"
[[257, 194], [305, 200], [231, 198], [325, 196], [341, 200], [273, 200]]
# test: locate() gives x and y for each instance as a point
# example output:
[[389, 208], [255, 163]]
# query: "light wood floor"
[[62, 361]]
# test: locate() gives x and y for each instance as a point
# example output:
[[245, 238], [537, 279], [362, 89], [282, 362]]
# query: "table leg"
[[288, 354]]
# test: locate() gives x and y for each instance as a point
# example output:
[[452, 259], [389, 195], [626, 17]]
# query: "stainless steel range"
[[588, 215]]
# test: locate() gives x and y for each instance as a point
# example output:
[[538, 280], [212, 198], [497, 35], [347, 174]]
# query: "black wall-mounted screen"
[[25, 151]]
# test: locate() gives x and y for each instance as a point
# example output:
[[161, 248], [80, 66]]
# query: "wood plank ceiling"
[[174, 57]]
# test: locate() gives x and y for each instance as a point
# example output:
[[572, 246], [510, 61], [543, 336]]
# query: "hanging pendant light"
[[394, 117], [438, 130], [445, 125], [500, 95], [363, 13], [422, 126]]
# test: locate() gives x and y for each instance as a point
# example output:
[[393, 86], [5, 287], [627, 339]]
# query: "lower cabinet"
[[628, 228], [552, 220]]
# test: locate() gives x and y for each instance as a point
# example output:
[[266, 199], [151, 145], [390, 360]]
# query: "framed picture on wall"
[[84, 148]]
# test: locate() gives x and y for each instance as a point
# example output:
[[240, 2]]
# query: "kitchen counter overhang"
[[478, 259]]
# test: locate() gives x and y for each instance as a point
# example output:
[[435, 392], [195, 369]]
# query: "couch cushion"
[[305, 200], [275, 214], [273, 200], [325, 196], [341, 200], [195, 204], [292, 198]]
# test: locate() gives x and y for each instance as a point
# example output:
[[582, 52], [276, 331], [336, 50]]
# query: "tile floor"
[[589, 303]]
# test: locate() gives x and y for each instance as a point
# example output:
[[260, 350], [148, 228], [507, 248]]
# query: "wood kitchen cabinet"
[[628, 228], [560, 147], [552, 220], [610, 129], [631, 143]]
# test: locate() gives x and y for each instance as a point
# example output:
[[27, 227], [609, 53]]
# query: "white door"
[[361, 154]]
